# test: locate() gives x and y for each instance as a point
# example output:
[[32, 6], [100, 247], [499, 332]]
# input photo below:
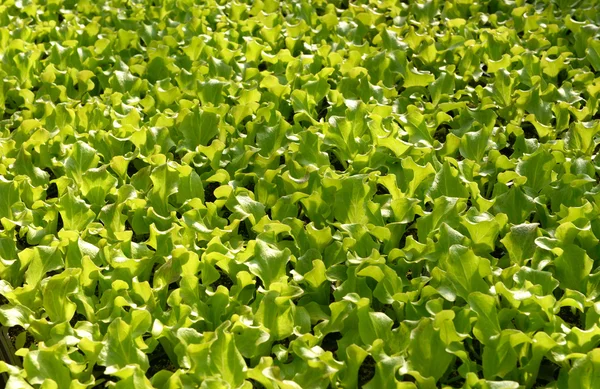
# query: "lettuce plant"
[[299, 194]]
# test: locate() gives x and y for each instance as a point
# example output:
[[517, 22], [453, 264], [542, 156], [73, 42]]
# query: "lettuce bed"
[[299, 194]]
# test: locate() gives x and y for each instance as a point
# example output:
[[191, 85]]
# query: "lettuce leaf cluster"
[[299, 194]]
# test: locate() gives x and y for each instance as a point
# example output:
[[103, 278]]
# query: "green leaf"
[[586, 371], [487, 326], [442, 87], [448, 183], [41, 260], [96, 184], [46, 365], [165, 181], [483, 228], [473, 145], [520, 242], [9, 196], [415, 125], [593, 54], [537, 167], [500, 355], [268, 263], [427, 351], [226, 359], [120, 348], [465, 271], [501, 88], [515, 204], [372, 325], [82, 158], [198, 127], [573, 267], [75, 213], [351, 201], [57, 291]]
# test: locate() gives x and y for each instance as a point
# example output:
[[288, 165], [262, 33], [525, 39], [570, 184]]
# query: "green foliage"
[[300, 194]]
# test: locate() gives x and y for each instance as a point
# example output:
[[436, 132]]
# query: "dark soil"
[[159, 360], [366, 372], [329, 342], [571, 316], [223, 280]]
